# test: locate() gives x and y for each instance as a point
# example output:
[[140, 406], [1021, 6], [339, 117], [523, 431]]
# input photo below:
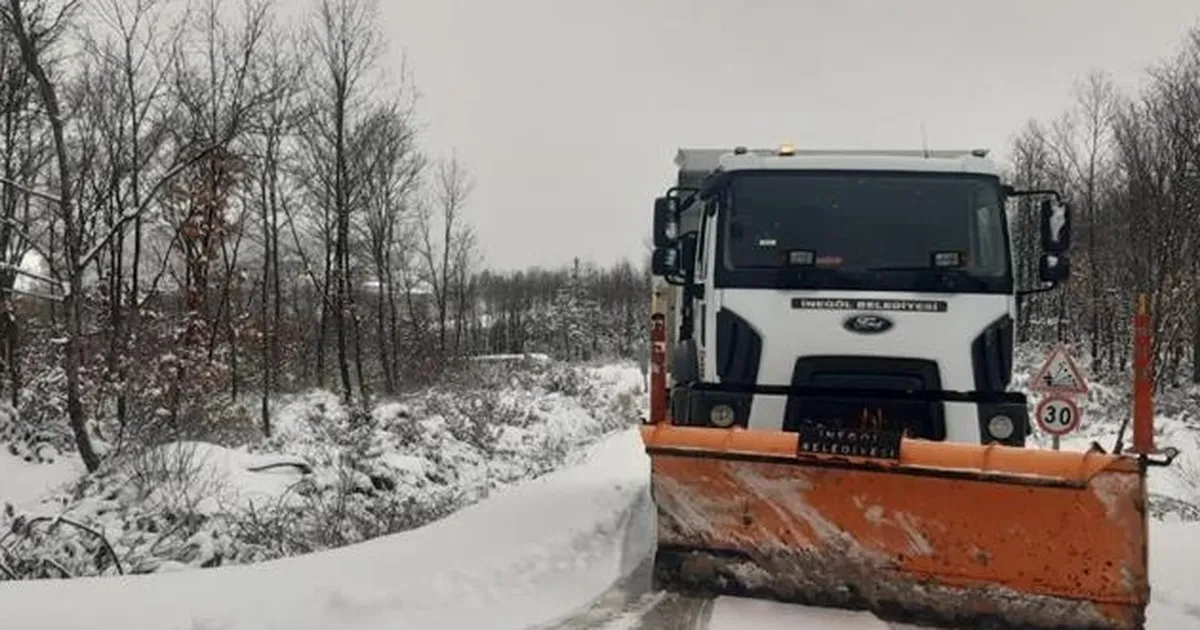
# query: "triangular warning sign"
[[1059, 374]]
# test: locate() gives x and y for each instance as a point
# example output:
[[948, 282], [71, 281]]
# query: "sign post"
[[1060, 381]]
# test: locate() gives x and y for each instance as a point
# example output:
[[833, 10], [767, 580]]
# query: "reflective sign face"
[[1058, 415]]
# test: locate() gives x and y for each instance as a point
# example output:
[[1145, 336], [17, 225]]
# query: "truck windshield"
[[862, 230]]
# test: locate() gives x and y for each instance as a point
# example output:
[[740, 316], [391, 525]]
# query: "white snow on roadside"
[[734, 613], [327, 477], [29, 475], [1174, 597], [24, 484], [232, 479], [528, 554]]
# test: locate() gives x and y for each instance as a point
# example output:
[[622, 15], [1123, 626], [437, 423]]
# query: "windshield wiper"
[[807, 270], [951, 278], [918, 268]]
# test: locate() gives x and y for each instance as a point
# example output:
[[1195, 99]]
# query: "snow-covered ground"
[[328, 476], [25, 485], [527, 554], [530, 555]]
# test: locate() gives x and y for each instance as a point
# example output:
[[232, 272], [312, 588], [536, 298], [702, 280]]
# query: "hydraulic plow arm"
[[949, 534]]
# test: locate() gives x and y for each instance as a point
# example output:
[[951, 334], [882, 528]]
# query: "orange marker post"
[[658, 368], [1143, 379]]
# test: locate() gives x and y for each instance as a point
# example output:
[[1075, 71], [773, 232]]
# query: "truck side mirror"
[[665, 261], [1054, 268], [1056, 227], [663, 218]]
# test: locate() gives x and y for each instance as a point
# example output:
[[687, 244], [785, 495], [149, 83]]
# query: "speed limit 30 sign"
[[1058, 415]]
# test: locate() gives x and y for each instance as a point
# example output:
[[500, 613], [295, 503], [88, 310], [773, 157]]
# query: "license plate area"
[[877, 444]]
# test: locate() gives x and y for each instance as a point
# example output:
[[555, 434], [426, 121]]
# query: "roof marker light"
[[787, 149]]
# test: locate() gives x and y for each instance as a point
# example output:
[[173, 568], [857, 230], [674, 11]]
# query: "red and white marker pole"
[[1143, 379]]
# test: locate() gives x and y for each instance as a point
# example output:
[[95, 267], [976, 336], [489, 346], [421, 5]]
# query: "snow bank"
[[24, 484], [328, 477], [528, 554], [1174, 597]]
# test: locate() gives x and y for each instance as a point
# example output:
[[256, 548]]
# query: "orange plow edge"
[[951, 535]]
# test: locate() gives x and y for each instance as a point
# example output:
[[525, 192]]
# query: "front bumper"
[[1002, 417]]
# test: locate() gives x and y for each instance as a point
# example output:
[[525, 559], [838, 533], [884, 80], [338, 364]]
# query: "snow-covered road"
[[643, 610], [544, 554]]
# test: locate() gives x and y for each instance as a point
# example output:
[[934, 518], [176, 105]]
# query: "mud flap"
[[954, 535]]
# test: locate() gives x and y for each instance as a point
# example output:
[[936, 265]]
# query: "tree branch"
[[150, 198], [29, 191]]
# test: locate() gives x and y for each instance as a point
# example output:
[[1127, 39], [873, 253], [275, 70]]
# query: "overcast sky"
[[569, 112]]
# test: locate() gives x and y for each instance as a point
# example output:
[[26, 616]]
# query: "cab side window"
[[702, 238]]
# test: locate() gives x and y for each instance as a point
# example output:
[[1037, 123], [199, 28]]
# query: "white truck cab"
[[867, 290]]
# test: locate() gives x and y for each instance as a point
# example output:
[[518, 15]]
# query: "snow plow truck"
[[831, 421]]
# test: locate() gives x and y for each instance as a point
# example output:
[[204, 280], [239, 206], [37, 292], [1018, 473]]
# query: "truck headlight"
[[721, 416], [1001, 427]]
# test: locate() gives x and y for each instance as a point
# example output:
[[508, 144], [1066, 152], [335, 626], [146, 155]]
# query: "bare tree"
[[219, 101], [24, 155], [345, 44], [127, 55], [439, 233], [271, 138], [37, 28], [1030, 159], [390, 167], [1081, 146]]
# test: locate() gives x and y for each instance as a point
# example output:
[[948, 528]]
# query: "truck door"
[[704, 303]]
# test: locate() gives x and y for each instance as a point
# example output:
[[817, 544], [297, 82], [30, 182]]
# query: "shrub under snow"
[[329, 476]]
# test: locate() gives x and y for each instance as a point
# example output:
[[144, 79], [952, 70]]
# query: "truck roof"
[[696, 163]]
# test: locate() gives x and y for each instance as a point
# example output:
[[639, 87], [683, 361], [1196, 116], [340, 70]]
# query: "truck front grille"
[[842, 408]]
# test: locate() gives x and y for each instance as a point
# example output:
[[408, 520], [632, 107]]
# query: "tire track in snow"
[[629, 604], [675, 612], [650, 611]]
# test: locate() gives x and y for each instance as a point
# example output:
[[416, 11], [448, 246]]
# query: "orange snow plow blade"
[[953, 535]]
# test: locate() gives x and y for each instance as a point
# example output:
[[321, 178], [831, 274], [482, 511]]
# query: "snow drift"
[[328, 477], [527, 554]]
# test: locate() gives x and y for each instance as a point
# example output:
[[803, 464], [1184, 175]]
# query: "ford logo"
[[867, 324]]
